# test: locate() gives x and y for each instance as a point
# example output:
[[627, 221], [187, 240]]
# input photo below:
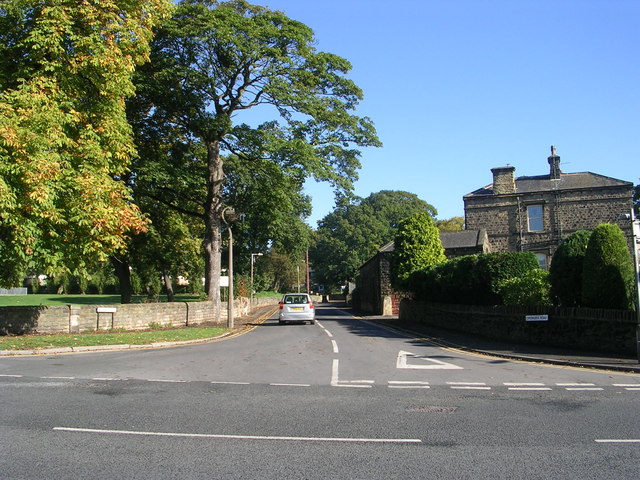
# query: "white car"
[[297, 307]]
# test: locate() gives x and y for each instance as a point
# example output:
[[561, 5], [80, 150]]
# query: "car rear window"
[[295, 299]]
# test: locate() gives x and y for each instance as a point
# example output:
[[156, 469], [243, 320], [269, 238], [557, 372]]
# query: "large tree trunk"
[[123, 273], [212, 240], [168, 285]]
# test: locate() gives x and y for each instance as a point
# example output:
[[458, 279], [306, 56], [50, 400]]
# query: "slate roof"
[[455, 239], [567, 181]]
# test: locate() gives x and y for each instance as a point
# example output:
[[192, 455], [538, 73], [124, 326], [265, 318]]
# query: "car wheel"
[[281, 322], [312, 322]]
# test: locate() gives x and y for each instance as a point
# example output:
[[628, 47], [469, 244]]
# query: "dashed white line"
[[408, 384], [335, 346], [58, 378], [328, 333], [166, 381], [11, 376], [239, 437], [468, 386], [290, 384]]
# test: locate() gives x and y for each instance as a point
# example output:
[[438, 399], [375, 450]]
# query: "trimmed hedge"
[[471, 279]]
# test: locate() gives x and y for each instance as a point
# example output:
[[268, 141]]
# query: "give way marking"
[[433, 365]]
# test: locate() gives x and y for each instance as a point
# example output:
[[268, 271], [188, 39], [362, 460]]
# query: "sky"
[[457, 87]]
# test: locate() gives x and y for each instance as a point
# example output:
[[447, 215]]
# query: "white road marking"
[[59, 378], [239, 437], [407, 384], [335, 382], [290, 384], [523, 384], [328, 332], [106, 379], [335, 346], [468, 386], [620, 440], [12, 376], [576, 384], [435, 364], [530, 388]]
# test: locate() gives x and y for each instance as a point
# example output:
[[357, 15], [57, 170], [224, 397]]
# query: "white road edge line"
[[239, 437]]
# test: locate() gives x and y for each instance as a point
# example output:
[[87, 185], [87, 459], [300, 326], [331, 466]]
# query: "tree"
[[565, 272], [355, 230], [453, 224], [213, 61], [417, 246], [608, 273], [65, 70]]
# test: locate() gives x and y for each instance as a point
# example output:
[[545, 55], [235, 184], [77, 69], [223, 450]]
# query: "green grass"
[[51, 299], [31, 342]]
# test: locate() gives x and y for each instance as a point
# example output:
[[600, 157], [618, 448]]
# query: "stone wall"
[[574, 328], [135, 316]]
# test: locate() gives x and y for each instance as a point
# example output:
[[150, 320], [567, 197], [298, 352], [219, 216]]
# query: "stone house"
[[375, 294], [535, 213]]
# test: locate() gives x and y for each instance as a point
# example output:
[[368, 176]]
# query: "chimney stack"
[[503, 181], [554, 164]]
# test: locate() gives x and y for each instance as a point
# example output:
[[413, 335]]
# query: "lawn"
[[51, 299], [146, 337]]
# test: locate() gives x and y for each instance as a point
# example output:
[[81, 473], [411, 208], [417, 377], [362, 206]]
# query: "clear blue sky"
[[456, 87]]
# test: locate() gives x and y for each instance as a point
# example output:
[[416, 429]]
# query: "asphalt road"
[[340, 399]]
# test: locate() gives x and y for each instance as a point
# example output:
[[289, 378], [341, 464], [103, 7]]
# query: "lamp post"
[[253, 256], [635, 236], [228, 214], [635, 240]]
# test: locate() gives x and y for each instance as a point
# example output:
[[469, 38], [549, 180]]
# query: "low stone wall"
[[134, 316], [576, 328]]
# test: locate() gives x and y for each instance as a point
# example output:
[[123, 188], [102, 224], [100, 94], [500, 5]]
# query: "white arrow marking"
[[435, 364]]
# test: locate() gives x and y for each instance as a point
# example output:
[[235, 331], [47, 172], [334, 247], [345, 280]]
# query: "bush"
[[565, 273], [472, 279], [608, 279], [533, 288], [417, 246]]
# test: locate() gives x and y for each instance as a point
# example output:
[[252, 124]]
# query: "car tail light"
[[311, 305], [281, 305]]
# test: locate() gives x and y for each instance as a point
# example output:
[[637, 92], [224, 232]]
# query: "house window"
[[534, 217], [542, 260]]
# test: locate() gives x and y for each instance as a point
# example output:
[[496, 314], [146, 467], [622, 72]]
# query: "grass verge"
[[144, 337]]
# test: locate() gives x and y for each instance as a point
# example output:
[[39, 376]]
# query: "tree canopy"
[[215, 60], [355, 230], [65, 70]]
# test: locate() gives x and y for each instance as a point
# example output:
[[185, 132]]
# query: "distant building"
[[535, 213]]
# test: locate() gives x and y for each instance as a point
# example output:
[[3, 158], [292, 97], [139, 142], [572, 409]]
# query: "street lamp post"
[[227, 215], [635, 240], [635, 236], [253, 256]]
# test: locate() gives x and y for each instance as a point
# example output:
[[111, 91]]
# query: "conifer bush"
[[608, 279], [565, 273]]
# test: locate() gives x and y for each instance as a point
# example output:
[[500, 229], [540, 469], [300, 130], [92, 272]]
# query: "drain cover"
[[430, 409]]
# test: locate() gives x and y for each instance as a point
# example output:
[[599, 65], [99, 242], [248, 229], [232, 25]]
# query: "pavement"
[[438, 336]]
